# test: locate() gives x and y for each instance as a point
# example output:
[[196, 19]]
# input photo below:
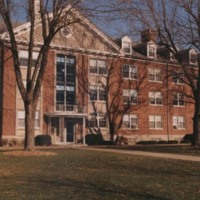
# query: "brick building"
[[91, 80]]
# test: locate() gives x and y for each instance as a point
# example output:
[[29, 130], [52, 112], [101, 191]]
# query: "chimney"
[[148, 35]]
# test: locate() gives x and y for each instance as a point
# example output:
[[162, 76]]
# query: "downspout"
[[168, 108]]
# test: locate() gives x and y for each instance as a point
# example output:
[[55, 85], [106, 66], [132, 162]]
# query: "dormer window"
[[193, 58], [172, 57], [151, 52], [127, 45]]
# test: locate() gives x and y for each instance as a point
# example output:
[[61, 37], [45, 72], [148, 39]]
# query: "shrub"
[[93, 139], [147, 142], [5, 142], [43, 140], [173, 142], [107, 142], [185, 142], [15, 142], [187, 138], [162, 142]]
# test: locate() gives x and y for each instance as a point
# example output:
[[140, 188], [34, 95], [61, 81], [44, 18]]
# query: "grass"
[[86, 175], [175, 149]]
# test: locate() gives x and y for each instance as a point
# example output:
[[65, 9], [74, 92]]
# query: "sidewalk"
[[147, 154]]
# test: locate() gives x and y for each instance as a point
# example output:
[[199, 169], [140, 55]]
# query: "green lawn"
[[86, 175]]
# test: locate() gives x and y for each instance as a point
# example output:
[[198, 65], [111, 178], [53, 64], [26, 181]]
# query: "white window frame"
[[151, 49], [23, 57], [127, 45], [98, 90], [192, 54], [98, 119], [155, 122], [155, 98], [99, 65], [179, 98], [172, 57], [178, 78], [21, 119], [130, 96], [155, 73], [130, 121], [132, 71], [178, 122]]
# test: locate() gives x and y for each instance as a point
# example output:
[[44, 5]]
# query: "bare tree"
[[52, 16], [106, 95], [177, 23]]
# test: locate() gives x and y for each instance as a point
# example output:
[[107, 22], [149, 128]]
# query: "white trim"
[[26, 27]]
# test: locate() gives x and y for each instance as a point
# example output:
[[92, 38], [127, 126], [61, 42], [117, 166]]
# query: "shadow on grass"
[[176, 149], [100, 190]]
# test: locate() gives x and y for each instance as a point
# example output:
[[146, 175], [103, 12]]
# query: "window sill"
[[132, 79], [104, 128], [155, 81], [179, 129], [23, 128], [97, 101], [178, 83], [160, 105], [93, 74], [131, 129]]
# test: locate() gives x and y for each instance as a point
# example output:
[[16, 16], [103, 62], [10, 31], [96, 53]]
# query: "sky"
[[100, 15]]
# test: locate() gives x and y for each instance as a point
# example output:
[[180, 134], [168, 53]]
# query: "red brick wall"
[[143, 109], [9, 97], [48, 86]]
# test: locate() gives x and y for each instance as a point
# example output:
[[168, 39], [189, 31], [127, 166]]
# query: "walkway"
[[148, 154]]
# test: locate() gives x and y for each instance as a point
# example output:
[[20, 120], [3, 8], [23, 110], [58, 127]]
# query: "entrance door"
[[70, 131]]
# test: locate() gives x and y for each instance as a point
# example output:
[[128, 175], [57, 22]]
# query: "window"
[[97, 93], [130, 96], [65, 80], [193, 58], [155, 98], [37, 119], [98, 66], [93, 121], [178, 122], [178, 99], [155, 74], [98, 120], [178, 77], [127, 47], [21, 119], [102, 120], [155, 122], [130, 122], [172, 57], [129, 71], [151, 51], [23, 58]]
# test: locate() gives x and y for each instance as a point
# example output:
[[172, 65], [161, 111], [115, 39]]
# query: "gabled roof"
[[25, 28]]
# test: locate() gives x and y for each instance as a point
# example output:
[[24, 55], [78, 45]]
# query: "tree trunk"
[[196, 130], [196, 123], [29, 127], [112, 132]]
